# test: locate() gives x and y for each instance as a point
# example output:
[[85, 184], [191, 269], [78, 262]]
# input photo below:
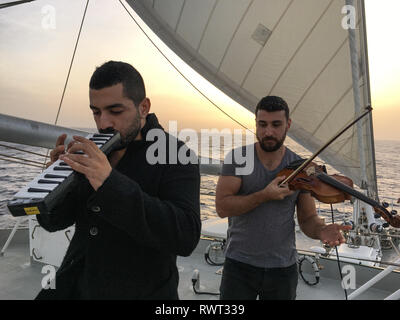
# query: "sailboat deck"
[[20, 279]]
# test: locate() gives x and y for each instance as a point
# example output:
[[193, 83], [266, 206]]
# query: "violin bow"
[[326, 145]]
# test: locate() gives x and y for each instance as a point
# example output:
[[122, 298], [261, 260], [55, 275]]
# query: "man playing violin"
[[261, 250]]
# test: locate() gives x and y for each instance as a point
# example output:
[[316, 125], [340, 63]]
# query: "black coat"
[[129, 232]]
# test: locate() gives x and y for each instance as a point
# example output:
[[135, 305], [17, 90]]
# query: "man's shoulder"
[[240, 152], [291, 155]]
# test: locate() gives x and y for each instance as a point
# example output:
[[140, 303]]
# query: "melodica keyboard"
[[43, 193]]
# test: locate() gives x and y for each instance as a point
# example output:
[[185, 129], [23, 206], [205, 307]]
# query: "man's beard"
[[271, 148], [127, 138]]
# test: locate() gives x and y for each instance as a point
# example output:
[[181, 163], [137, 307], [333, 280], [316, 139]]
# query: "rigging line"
[[69, 70], [72, 61], [24, 163], [176, 68], [17, 158], [14, 3], [337, 258], [31, 152]]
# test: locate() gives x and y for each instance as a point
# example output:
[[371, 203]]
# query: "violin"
[[307, 179], [329, 188]]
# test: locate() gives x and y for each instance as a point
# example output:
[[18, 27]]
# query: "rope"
[[32, 161], [14, 3], [59, 107], [72, 61], [183, 76], [30, 152], [28, 164], [69, 70]]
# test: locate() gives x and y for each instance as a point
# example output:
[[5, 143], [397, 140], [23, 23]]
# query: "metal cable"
[[28, 164], [177, 69], [337, 258], [17, 158], [13, 3], [22, 150]]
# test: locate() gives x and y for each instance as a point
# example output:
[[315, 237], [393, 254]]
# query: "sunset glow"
[[34, 65]]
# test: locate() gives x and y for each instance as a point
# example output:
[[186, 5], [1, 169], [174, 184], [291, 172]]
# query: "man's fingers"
[[83, 144], [345, 227], [61, 139], [77, 158], [70, 145], [278, 181], [77, 146], [55, 153], [75, 165]]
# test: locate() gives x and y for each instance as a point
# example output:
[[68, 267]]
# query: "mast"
[[361, 69], [367, 95]]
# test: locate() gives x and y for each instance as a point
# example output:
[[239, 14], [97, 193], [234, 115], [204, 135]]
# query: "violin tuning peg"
[[385, 204], [349, 223], [376, 228], [393, 212]]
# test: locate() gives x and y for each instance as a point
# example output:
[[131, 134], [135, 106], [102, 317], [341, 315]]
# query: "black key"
[[98, 135], [55, 176], [49, 181], [63, 164], [38, 190], [99, 139], [63, 169]]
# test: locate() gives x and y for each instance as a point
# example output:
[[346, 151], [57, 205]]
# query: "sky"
[[35, 54]]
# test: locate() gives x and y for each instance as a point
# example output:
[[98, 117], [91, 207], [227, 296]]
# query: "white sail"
[[301, 50]]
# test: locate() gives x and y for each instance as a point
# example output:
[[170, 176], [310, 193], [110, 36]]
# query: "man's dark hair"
[[273, 103], [114, 72]]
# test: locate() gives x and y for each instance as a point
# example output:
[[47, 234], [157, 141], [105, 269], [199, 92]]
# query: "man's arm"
[[315, 227], [229, 204]]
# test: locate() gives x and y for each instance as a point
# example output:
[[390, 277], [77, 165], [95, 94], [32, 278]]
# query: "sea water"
[[14, 176]]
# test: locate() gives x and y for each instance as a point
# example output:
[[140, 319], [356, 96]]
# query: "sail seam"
[[331, 110], [261, 49], [180, 16], [300, 47], [180, 72], [318, 76], [234, 34], [206, 26]]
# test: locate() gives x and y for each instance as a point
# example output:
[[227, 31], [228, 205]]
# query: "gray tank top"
[[265, 236]]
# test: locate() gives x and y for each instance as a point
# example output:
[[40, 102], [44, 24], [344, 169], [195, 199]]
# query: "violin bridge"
[[310, 171]]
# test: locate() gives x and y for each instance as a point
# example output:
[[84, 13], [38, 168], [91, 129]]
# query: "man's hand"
[[58, 150], [93, 164], [331, 234], [274, 191]]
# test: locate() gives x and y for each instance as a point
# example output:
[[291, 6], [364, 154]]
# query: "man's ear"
[[144, 108], [289, 123]]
